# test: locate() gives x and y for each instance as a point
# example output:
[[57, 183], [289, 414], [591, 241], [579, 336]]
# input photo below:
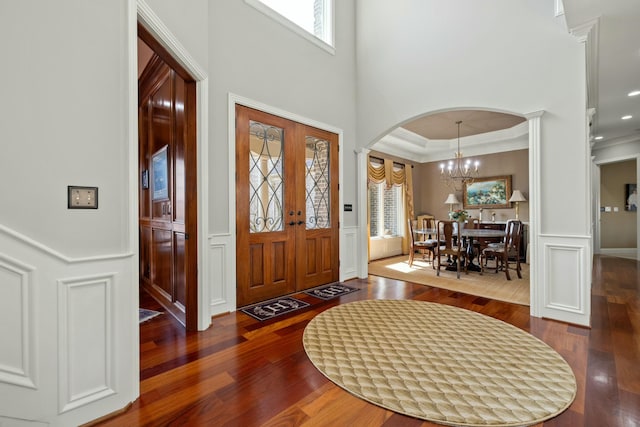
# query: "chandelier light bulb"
[[459, 170]]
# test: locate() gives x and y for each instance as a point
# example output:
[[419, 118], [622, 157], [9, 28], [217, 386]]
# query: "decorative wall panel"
[[349, 253], [17, 335], [218, 269], [85, 341], [566, 278]]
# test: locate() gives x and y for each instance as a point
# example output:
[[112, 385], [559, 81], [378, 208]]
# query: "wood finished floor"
[[241, 372]]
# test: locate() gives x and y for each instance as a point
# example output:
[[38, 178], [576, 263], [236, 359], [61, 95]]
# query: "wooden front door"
[[287, 230], [167, 204]]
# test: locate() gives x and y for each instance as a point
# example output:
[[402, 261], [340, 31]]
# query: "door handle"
[[292, 223], [300, 222]]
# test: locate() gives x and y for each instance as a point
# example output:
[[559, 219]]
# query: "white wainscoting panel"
[[17, 335], [85, 340], [221, 267], [566, 275], [349, 253]]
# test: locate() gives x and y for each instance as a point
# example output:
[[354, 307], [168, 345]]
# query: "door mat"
[[276, 307], [328, 292], [148, 314]]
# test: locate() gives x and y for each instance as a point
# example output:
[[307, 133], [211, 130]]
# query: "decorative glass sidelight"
[[266, 193], [317, 180]]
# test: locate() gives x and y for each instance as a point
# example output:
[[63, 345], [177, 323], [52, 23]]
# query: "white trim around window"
[[326, 43]]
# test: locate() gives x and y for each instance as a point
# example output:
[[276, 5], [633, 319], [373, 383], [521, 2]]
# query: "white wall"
[[498, 54], [68, 281], [62, 122], [422, 56]]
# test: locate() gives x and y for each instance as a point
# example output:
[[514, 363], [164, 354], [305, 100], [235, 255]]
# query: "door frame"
[[146, 18], [230, 285]]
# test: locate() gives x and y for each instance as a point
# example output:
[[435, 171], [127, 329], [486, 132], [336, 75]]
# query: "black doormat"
[[276, 307], [328, 292]]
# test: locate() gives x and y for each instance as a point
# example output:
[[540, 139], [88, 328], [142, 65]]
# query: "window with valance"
[[390, 188]]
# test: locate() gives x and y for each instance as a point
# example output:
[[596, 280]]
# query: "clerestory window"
[[312, 19]]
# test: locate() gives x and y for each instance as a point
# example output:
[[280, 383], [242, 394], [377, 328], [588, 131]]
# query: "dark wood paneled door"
[[287, 229], [167, 164]]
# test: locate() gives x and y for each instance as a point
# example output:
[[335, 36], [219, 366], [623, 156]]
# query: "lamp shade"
[[451, 199], [517, 197]]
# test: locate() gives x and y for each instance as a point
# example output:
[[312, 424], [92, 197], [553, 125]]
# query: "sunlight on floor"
[[402, 267]]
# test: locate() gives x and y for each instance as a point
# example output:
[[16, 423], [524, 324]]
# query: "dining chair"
[[416, 245], [430, 240], [473, 223], [508, 249], [449, 245]]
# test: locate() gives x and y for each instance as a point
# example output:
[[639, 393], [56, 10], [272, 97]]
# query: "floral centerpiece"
[[459, 215]]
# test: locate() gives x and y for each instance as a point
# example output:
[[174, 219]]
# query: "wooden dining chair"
[[430, 240], [416, 245], [508, 249], [449, 245], [473, 223]]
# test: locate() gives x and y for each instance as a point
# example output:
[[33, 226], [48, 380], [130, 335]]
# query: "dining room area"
[[453, 220]]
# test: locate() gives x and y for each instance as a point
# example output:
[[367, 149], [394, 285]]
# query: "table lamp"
[[451, 200], [517, 197]]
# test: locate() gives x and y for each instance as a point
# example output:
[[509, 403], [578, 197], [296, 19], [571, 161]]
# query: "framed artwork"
[[160, 175], [491, 192], [631, 197]]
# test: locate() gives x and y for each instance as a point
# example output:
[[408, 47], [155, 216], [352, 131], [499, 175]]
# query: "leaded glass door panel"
[[265, 244], [317, 247], [286, 206]]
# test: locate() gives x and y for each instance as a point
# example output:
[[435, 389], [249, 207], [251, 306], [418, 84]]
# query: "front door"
[[287, 235]]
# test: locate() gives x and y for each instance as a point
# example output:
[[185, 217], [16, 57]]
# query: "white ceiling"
[[612, 28], [614, 64]]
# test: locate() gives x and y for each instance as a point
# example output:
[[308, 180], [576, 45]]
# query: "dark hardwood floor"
[[241, 372]]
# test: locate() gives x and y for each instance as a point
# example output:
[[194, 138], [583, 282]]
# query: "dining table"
[[468, 235]]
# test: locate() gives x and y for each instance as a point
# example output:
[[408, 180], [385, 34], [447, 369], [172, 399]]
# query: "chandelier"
[[459, 171]]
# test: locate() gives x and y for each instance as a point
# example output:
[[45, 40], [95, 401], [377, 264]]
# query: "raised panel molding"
[[85, 340], [217, 262], [17, 323], [219, 290], [349, 253], [566, 278]]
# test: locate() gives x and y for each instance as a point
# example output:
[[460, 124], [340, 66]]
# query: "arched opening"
[[504, 144]]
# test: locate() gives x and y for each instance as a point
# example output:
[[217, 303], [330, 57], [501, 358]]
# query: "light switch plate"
[[82, 197]]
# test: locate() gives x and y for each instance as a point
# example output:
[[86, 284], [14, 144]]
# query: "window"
[[312, 19], [386, 212]]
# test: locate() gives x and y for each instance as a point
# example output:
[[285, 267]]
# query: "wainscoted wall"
[[60, 332]]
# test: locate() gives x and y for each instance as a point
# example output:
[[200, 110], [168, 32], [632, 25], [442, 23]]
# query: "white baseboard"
[[632, 253]]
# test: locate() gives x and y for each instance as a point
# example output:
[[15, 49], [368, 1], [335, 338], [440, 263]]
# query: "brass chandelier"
[[458, 171]]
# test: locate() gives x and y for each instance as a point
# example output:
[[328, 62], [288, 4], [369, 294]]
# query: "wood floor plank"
[[242, 372]]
